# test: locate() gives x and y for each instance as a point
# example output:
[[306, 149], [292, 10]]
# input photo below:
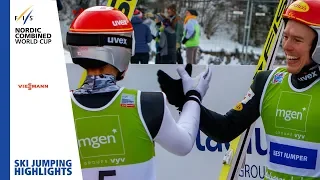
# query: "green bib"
[[195, 39], [113, 135], [291, 118]]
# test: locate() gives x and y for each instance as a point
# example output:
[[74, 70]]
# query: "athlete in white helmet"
[[116, 127]]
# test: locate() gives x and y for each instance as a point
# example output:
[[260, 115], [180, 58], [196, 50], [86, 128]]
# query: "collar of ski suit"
[[98, 84], [306, 76]]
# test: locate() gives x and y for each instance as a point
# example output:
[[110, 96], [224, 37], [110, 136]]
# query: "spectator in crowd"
[[143, 36], [150, 22], [177, 25], [80, 7], [167, 42], [148, 18], [159, 28], [191, 35]]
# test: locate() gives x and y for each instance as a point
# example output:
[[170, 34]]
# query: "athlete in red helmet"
[[116, 127], [287, 99]]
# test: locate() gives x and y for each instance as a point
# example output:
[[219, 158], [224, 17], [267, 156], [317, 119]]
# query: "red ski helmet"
[[307, 12], [101, 35]]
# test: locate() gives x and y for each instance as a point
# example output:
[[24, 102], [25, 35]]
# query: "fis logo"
[[278, 78], [127, 100], [25, 16]]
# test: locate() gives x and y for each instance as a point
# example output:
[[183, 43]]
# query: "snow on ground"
[[222, 40]]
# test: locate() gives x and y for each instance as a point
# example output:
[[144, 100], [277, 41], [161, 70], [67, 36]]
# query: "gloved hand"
[[184, 40], [173, 88], [199, 84]]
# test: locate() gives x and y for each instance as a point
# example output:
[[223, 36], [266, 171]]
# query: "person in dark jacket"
[[143, 36], [167, 44], [159, 28], [177, 25]]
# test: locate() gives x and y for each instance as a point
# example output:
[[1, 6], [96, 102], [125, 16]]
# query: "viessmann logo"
[[31, 86]]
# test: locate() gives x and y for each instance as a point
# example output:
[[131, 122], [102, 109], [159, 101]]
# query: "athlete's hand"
[[173, 87], [199, 84]]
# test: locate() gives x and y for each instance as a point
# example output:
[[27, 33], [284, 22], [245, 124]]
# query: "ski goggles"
[[112, 49]]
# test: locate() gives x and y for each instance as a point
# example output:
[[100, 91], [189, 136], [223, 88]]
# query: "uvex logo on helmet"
[[117, 40], [119, 22], [300, 6]]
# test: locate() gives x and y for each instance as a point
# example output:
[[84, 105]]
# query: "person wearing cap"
[[286, 98], [191, 36], [142, 38], [177, 25], [117, 127], [148, 19]]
